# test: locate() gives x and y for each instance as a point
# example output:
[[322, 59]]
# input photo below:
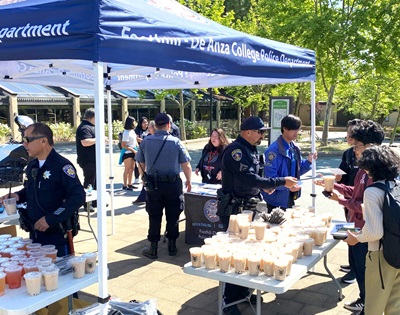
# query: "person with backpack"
[[381, 231], [351, 197]]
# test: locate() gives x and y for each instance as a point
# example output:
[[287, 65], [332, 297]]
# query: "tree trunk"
[[393, 136], [328, 115]]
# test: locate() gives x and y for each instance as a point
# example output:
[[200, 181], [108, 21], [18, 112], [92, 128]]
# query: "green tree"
[[178, 98], [344, 35]]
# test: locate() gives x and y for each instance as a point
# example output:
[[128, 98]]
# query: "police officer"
[[161, 156], [241, 181], [52, 191]]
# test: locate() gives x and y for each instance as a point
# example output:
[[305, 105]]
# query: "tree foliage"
[[357, 45]]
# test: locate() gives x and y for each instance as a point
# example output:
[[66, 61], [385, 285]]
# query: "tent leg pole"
[[313, 148]]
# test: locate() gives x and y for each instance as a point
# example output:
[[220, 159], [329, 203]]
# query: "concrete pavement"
[[132, 276]]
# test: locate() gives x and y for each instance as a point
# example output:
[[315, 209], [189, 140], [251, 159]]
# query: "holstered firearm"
[[227, 204], [25, 223], [223, 203]]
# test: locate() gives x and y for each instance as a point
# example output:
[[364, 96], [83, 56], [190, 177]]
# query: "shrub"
[[200, 132], [62, 132], [117, 126], [5, 132], [193, 131]]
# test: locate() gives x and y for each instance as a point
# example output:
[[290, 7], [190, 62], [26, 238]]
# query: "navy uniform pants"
[[89, 174], [58, 239], [168, 196]]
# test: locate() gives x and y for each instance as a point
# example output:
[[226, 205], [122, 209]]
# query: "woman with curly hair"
[[381, 164]]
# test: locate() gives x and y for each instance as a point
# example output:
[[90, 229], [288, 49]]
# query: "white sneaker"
[[137, 181]]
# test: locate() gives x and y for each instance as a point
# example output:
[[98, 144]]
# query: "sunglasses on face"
[[261, 132], [30, 139]]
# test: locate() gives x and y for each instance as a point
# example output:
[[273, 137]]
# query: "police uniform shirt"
[[240, 163], [57, 187], [172, 155]]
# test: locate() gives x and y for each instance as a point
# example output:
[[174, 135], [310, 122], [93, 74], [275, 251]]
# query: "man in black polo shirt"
[[86, 149]]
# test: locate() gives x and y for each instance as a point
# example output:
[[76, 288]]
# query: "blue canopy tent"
[[141, 44]]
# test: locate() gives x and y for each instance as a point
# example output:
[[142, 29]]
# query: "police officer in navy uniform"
[[241, 181], [162, 156], [52, 191]]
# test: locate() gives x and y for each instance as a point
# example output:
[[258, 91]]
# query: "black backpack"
[[391, 225], [120, 140]]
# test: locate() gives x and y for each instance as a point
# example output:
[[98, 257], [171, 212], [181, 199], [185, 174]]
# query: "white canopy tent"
[[141, 44]]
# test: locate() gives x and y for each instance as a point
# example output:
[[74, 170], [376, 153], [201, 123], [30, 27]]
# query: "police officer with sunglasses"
[[241, 185], [52, 191]]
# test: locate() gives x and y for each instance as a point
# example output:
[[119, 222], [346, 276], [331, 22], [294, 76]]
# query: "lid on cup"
[[32, 275], [51, 270], [30, 264], [77, 258], [44, 260], [12, 268], [34, 246], [90, 255], [48, 247], [194, 250]]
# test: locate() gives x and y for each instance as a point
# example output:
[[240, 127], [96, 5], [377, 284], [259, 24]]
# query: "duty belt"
[[165, 178]]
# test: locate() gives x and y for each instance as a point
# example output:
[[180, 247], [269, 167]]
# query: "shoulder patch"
[[237, 155], [271, 156], [69, 170]]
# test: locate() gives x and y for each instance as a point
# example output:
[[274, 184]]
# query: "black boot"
[[151, 252], [172, 250]]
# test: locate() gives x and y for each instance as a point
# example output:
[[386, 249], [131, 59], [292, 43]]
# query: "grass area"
[[330, 147]]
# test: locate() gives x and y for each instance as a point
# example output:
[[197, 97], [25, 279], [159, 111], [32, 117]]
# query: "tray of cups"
[[339, 231]]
